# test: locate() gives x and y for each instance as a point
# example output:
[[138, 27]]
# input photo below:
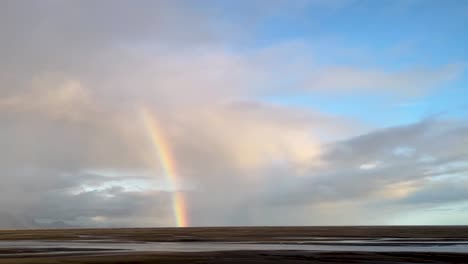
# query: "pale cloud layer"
[[74, 150], [406, 82]]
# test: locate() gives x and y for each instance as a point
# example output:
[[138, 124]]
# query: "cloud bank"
[[74, 151]]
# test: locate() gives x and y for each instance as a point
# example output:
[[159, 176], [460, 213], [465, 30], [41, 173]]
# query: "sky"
[[162, 113]]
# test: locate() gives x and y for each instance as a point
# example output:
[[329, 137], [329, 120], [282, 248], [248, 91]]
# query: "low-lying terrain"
[[443, 244]]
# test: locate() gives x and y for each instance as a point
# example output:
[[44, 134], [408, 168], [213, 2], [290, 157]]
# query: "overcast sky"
[[304, 112]]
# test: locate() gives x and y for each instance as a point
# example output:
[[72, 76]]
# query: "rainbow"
[[168, 164]]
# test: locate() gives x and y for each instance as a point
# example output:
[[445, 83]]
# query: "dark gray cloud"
[[346, 176], [454, 190]]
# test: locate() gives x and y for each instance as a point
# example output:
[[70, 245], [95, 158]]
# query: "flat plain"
[[352, 244]]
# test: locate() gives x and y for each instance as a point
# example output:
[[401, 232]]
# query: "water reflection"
[[359, 245]]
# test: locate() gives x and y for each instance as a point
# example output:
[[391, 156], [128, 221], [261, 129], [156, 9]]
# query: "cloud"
[[60, 128], [236, 147], [407, 82], [441, 192], [403, 180], [74, 76], [180, 40]]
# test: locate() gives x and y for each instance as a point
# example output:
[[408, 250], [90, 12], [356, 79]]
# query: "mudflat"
[[359, 244], [238, 234], [254, 257]]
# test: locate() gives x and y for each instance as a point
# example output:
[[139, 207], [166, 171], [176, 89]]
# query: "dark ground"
[[238, 234], [250, 257]]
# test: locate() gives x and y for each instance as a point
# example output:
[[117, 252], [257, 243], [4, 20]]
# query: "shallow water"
[[361, 245]]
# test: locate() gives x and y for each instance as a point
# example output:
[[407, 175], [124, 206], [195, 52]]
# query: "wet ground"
[[238, 245]]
